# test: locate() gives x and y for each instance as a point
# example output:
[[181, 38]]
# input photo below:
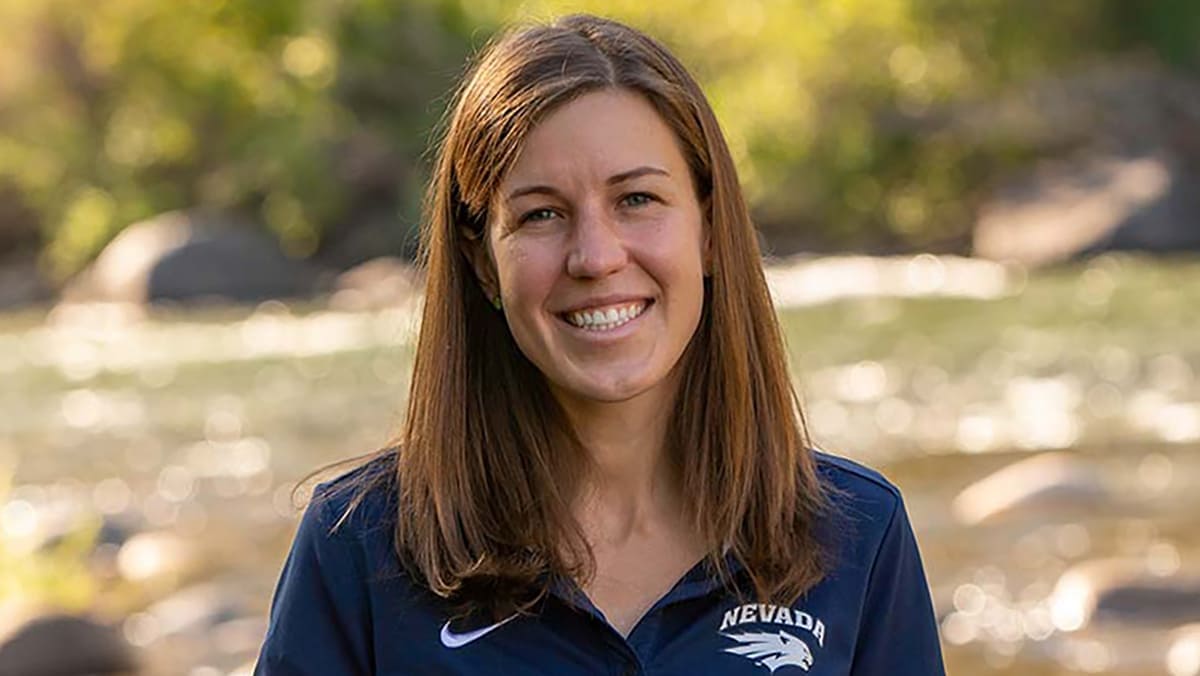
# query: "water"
[[185, 435]]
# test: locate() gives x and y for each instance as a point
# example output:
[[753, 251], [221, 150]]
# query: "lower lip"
[[611, 334]]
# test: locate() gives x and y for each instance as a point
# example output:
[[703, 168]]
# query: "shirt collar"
[[699, 581]]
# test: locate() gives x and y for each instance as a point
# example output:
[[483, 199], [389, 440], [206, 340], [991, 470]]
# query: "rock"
[[1088, 205], [20, 231], [116, 529], [370, 231], [208, 624], [1048, 484], [193, 256], [37, 649], [197, 610], [241, 636], [378, 283], [1129, 178], [22, 283], [1123, 590]]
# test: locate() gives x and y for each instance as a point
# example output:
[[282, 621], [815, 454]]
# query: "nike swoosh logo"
[[452, 640]]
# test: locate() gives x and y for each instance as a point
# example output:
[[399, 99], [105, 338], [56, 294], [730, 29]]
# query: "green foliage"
[[56, 576], [136, 107], [312, 113], [823, 100], [117, 111]]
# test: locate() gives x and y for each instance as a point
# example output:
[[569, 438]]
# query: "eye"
[[637, 199], [542, 214]]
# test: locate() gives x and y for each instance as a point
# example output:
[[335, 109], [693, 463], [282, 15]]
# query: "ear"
[[474, 247]]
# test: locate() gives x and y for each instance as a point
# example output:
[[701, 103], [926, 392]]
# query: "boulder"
[[1048, 485], [1123, 590], [198, 610], [378, 283], [193, 256], [22, 283], [37, 648], [1088, 205], [1122, 140], [209, 626]]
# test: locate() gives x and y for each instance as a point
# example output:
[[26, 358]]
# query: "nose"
[[597, 248]]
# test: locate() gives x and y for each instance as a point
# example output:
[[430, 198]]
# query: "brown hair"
[[487, 465]]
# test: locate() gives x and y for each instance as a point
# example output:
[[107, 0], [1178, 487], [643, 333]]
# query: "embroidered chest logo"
[[453, 640], [774, 648]]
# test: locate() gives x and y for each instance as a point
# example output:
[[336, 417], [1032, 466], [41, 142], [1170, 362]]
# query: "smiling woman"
[[601, 220], [603, 467]]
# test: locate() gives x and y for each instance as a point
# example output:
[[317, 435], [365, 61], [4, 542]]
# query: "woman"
[[603, 468]]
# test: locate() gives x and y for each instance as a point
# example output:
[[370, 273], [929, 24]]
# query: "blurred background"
[[982, 222]]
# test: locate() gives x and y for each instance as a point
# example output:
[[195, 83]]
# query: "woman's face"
[[598, 245]]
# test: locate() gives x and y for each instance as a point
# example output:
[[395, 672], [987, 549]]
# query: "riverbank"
[[148, 460]]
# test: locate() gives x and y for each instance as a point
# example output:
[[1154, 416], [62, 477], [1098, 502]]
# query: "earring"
[[496, 302]]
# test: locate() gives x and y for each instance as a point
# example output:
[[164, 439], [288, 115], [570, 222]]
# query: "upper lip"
[[600, 301]]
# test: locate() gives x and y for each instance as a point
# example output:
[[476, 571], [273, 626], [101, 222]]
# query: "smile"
[[606, 318]]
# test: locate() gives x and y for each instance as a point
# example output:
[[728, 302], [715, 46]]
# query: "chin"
[[605, 392], [610, 395]]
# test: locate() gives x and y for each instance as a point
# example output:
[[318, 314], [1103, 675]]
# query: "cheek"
[[684, 232], [526, 274], [676, 250]]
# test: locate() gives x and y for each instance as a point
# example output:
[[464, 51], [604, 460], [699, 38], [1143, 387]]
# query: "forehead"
[[595, 136]]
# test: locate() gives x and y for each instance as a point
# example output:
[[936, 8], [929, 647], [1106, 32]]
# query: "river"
[[1045, 431]]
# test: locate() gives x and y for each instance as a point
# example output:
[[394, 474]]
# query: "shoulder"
[[322, 612], [877, 574], [856, 486], [347, 530], [863, 509], [359, 502]]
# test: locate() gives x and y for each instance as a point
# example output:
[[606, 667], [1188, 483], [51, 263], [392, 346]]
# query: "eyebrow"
[[612, 180]]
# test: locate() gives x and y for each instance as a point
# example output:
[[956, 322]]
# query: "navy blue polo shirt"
[[343, 607]]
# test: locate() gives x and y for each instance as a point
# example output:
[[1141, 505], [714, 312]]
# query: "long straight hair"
[[487, 465]]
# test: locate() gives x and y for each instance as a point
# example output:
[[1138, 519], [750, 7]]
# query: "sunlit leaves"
[[309, 113]]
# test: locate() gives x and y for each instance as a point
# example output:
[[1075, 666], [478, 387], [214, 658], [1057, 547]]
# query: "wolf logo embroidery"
[[772, 651]]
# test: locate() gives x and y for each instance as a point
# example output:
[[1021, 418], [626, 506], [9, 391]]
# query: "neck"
[[631, 486]]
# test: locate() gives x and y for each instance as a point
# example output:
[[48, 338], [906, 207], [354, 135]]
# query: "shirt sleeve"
[[898, 634], [320, 617]]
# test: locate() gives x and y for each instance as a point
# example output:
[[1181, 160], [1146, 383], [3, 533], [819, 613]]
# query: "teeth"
[[604, 320]]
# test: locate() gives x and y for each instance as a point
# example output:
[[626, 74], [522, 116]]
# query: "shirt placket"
[[640, 648]]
